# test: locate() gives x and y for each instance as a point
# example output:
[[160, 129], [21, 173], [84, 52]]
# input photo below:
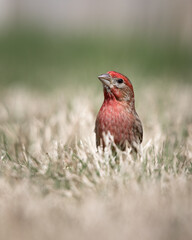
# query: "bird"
[[117, 115]]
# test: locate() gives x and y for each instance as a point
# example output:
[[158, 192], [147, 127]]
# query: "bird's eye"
[[120, 80]]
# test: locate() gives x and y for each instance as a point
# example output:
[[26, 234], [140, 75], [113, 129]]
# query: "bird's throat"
[[108, 93]]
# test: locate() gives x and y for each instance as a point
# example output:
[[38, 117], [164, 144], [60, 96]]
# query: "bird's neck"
[[108, 95], [110, 99]]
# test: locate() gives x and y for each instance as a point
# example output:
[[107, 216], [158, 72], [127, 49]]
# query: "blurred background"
[[46, 44]]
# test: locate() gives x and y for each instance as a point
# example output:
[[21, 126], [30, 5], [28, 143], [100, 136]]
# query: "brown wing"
[[138, 131], [137, 134]]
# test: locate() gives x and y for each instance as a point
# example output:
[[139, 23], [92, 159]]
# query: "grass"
[[39, 60], [54, 184]]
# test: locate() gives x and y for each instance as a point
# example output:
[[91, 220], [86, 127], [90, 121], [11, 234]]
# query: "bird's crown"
[[115, 74]]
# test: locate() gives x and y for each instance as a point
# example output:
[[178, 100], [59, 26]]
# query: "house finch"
[[117, 115]]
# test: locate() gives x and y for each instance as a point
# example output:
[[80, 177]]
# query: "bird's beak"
[[105, 79]]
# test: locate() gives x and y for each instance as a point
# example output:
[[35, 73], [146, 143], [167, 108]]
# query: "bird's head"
[[117, 86]]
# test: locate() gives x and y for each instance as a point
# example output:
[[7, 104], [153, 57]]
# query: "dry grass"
[[54, 185]]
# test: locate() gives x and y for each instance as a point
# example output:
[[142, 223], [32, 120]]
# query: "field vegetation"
[[54, 184]]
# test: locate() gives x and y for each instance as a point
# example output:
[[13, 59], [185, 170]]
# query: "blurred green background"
[[38, 54]]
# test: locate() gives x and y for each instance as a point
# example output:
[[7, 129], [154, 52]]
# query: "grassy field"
[[42, 61], [53, 182]]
